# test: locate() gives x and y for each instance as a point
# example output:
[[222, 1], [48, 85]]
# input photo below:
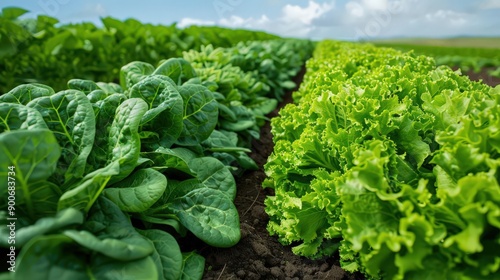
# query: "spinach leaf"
[[23, 94], [223, 145], [178, 69], [210, 215], [193, 266], [124, 143], [59, 257], [110, 88], [167, 254], [70, 116], [245, 119], [211, 173], [83, 194], [177, 158], [95, 96], [85, 86], [44, 225], [203, 205], [32, 155], [165, 111], [49, 257], [139, 191], [200, 114], [133, 72], [105, 111], [109, 232], [16, 116]]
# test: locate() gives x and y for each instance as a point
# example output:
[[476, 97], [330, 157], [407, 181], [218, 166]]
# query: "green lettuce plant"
[[391, 161]]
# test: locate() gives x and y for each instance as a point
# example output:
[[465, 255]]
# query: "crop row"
[[105, 177], [391, 161], [43, 51], [465, 58]]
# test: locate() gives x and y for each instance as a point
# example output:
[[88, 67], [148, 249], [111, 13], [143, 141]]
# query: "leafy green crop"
[[82, 170], [391, 161], [101, 167], [248, 79], [465, 58], [44, 51]]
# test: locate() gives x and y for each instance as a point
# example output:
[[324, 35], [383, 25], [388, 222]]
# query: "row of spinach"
[[109, 176], [42, 50]]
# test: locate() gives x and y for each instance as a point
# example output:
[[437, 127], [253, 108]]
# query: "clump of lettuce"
[[391, 161]]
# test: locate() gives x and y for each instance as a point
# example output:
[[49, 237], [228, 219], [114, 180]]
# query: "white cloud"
[[293, 13], [490, 4], [236, 21], [452, 17], [192, 21], [355, 9], [355, 19], [263, 20], [294, 21], [375, 4], [364, 7], [96, 10]]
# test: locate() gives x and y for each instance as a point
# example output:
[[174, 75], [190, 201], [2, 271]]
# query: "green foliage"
[[248, 80], [33, 155], [393, 162], [77, 153], [41, 50], [465, 58], [101, 167]]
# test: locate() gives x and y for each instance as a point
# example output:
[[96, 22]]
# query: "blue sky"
[[316, 19]]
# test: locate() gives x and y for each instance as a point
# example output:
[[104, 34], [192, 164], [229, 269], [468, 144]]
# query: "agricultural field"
[[131, 150], [479, 58], [460, 42]]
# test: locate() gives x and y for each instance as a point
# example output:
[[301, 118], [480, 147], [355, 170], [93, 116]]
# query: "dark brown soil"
[[258, 255], [484, 76]]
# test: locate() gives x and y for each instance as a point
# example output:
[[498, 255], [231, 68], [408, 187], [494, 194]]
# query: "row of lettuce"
[[42, 50], [465, 58], [391, 161], [105, 178]]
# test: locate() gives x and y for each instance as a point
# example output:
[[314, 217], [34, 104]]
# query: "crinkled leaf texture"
[[392, 159]]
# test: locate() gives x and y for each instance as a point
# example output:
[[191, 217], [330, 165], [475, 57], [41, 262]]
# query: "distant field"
[[477, 57], [480, 42]]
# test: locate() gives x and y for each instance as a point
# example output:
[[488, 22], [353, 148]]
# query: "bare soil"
[[484, 76]]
